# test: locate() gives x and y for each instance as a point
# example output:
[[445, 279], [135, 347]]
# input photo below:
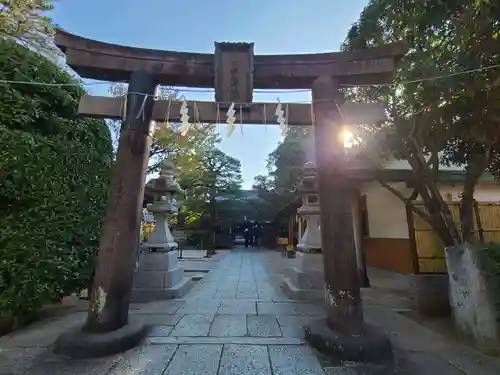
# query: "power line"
[[424, 79], [432, 78]]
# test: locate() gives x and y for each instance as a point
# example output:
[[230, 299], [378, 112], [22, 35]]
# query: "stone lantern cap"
[[308, 182], [165, 183]]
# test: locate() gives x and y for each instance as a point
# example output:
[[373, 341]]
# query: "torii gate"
[[234, 71]]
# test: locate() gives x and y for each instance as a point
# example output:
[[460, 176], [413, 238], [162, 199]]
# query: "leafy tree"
[[214, 174], [285, 165], [168, 140], [452, 120], [27, 23], [54, 172]]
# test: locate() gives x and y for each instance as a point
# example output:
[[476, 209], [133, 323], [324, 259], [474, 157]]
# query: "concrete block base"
[[153, 294], [78, 344], [430, 294], [371, 346], [164, 246], [159, 276], [296, 293]]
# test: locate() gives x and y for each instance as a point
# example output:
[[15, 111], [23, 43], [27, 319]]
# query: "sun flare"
[[348, 138]]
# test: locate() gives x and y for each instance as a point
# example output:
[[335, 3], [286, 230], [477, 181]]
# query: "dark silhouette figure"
[[247, 236]]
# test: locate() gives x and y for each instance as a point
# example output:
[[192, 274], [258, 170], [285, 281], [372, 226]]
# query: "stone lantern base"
[[306, 281], [161, 239], [159, 276]]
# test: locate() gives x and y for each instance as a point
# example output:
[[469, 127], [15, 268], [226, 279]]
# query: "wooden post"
[[342, 290], [291, 230], [358, 239], [301, 227], [411, 235], [116, 259], [479, 225]]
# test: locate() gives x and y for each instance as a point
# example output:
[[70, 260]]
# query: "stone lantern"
[[306, 277], [164, 188], [159, 274], [309, 211]]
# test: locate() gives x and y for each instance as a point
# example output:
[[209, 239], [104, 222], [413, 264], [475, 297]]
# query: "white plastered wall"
[[387, 214]]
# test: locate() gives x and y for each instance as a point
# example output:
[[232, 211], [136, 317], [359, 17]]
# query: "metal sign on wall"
[[233, 65]]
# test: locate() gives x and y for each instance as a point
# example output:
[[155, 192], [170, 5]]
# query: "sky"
[[275, 26]]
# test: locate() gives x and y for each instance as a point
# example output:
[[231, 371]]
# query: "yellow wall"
[[430, 249], [389, 245]]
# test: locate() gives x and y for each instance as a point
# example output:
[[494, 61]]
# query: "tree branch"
[[425, 216]]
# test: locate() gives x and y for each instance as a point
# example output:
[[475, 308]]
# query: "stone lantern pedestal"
[[306, 280], [161, 239], [311, 239], [159, 274]]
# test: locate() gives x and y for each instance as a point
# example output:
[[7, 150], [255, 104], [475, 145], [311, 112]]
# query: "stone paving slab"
[[292, 325], [42, 333], [294, 360], [290, 308], [144, 360], [193, 325], [263, 326], [54, 365], [363, 370], [160, 331], [158, 307], [225, 294], [19, 360], [160, 319], [409, 336], [200, 307], [427, 363], [237, 307], [229, 325], [244, 359], [195, 360]]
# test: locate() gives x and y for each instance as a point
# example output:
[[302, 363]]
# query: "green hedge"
[[54, 173]]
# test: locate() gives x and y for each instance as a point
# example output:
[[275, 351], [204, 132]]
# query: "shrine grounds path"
[[236, 321]]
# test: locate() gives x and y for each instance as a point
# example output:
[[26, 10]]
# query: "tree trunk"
[[473, 172], [467, 214], [441, 218]]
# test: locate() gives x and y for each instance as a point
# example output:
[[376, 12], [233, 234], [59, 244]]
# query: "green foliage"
[[168, 140], [27, 22], [453, 119], [490, 259], [285, 165], [209, 175], [54, 172], [286, 162], [492, 253]]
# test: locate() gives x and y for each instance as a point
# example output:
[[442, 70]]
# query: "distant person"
[[247, 236], [257, 234]]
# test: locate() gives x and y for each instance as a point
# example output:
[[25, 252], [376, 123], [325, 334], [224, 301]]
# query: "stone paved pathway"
[[235, 321]]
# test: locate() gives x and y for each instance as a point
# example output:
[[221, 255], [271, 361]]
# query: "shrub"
[[54, 172]]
